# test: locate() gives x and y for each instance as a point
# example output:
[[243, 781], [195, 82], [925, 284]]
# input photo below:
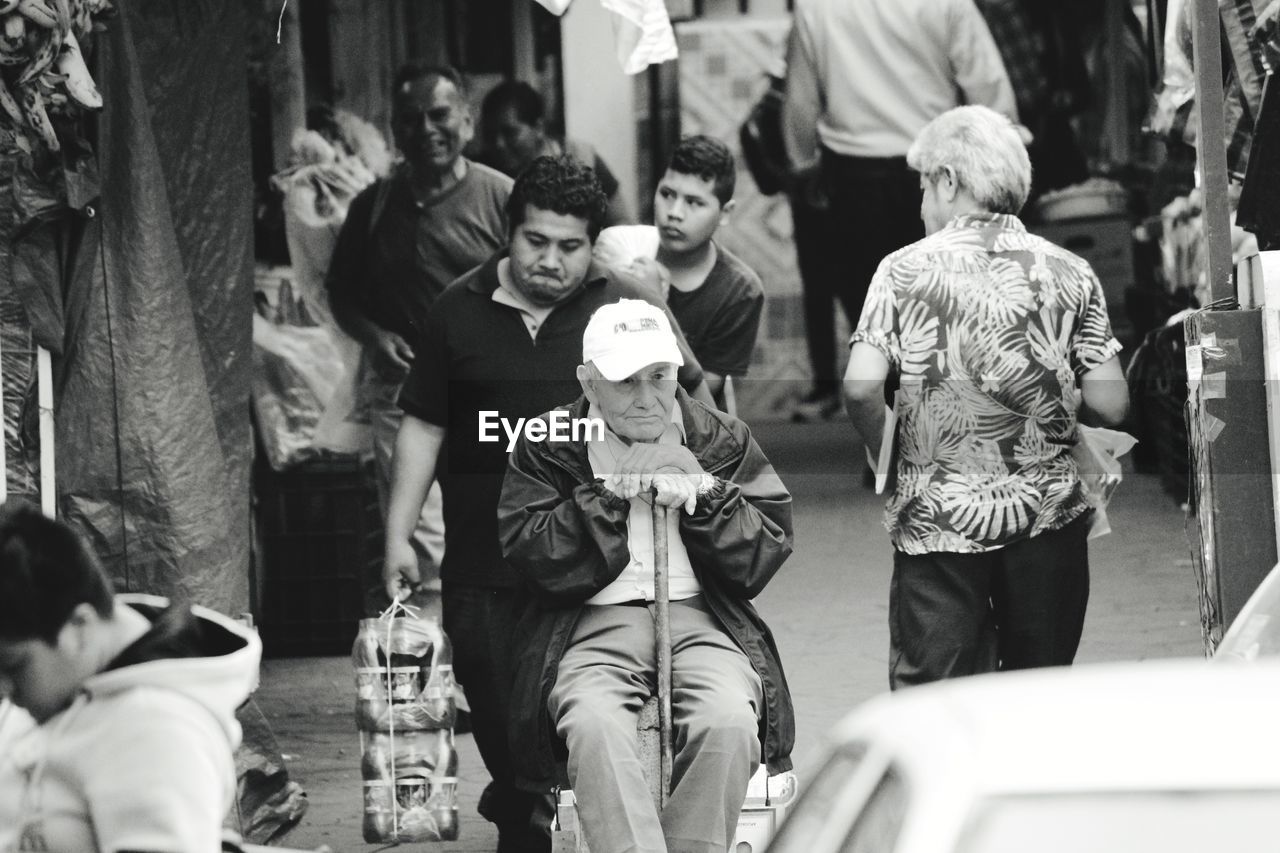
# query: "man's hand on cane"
[[670, 470]]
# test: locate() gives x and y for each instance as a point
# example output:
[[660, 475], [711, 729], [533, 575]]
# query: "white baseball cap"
[[629, 335]]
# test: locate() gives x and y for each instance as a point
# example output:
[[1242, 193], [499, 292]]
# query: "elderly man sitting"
[[576, 524]]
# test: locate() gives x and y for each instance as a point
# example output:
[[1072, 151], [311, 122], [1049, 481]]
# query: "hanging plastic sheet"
[[153, 284]]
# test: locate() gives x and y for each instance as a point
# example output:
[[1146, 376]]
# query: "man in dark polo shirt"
[[502, 342]]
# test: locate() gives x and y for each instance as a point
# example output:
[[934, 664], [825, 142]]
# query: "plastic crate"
[[321, 540]]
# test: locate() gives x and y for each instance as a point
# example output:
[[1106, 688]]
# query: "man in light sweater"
[[863, 79]]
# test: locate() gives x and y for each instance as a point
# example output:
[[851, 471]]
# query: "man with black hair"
[[715, 296], [513, 122], [500, 345], [135, 698], [405, 238]]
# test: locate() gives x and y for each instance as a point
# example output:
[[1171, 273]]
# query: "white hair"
[[985, 152]]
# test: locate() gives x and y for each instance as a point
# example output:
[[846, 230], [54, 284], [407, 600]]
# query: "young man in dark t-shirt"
[[501, 343], [717, 298]]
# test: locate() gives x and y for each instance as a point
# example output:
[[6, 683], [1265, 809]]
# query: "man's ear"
[[948, 184], [584, 379], [467, 131], [76, 634], [726, 209]]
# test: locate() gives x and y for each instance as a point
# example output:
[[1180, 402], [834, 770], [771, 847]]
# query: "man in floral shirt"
[[997, 340]]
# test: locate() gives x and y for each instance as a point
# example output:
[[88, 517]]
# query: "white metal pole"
[[44, 397]]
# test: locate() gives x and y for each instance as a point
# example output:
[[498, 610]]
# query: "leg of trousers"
[[1039, 594], [481, 623], [385, 416], [605, 677], [716, 697], [817, 255], [939, 617], [875, 210]]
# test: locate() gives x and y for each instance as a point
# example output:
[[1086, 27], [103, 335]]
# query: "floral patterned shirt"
[[987, 328]]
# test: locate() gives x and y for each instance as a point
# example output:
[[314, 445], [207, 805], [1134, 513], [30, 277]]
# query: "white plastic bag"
[[1097, 455]]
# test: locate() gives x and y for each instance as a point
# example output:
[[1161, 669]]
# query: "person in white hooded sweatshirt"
[[134, 698]]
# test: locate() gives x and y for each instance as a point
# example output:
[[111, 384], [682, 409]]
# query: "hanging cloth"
[[642, 33]]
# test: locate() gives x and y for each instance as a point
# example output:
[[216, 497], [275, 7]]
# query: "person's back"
[[998, 342], [864, 77], [994, 323], [888, 67], [135, 700]]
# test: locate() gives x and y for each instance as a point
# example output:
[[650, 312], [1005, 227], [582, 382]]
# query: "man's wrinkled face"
[[639, 407], [686, 211], [513, 143], [550, 253], [431, 123], [37, 676]]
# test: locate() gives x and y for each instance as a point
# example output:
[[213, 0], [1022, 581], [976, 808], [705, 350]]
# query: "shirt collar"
[[515, 299], [984, 219], [485, 282]]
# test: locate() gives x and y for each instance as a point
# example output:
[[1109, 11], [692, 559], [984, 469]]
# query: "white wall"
[[599, 100]]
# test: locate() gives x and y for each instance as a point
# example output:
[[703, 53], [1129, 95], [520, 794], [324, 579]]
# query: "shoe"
[[816, 406]]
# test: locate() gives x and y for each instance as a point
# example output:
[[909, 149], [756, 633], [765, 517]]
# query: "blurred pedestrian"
[[863, 79], [404, 239], [999, 343], [513, 121], [134, 697]]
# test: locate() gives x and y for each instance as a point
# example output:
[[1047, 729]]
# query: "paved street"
[[827, 607]]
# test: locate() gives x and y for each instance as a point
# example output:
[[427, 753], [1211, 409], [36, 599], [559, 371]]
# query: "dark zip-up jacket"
[[566, 534]]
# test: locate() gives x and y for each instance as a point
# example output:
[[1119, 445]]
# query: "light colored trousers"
[[385, 416], [605, 677]]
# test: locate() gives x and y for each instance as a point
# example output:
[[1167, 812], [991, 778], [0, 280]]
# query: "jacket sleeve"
[[741, 534], [567, 546]]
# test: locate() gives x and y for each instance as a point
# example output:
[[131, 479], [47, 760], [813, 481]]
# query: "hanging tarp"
[[154, 286]]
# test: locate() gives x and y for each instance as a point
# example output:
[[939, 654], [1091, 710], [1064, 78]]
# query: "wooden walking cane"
[[662, 643]]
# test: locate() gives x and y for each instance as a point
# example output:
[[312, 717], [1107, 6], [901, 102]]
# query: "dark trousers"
[[873, 210], [481, 623], [1019, 607]]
